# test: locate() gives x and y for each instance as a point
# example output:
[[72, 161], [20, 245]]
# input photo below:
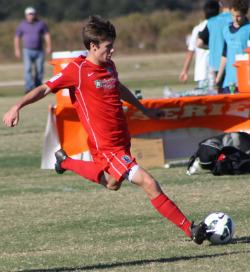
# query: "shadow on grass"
[[135, 263], [241, 240]]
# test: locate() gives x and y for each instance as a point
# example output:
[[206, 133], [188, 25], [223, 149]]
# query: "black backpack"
[[225, 154], [231, 161]]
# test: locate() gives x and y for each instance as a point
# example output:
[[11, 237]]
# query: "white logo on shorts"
[[126, 158]]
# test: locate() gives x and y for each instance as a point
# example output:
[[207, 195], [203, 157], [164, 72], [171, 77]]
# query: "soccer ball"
[[221, 228]]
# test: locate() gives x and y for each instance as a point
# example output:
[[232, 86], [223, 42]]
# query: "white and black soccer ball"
[[221, 228]]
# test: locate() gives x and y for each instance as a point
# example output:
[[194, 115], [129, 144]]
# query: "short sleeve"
[[19, 31], [45, 28], [67, 78], [193, 39]]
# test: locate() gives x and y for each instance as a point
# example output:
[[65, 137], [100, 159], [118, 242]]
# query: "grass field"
[[52, 223]]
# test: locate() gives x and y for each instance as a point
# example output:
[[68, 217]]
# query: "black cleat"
[[60, 157], [198, 232]]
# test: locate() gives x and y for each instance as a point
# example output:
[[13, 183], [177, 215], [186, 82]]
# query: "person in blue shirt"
[[236, 36], [212, 38]]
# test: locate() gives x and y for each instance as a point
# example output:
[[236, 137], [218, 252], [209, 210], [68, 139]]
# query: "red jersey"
[[94, 94]]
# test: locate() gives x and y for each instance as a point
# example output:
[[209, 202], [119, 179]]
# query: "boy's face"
[[238, 17], [103, 52]]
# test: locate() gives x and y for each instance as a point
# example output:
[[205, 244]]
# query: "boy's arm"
[[188, 59], [127, 96], [201, 44], [11, 117]]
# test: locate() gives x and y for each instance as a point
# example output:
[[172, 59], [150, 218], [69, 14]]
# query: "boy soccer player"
[[96, 94], [236, 36]]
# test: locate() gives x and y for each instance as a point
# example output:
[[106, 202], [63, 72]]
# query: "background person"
[[236, 36], [201, 71], [212, 38], [96, 94], [32, 32]]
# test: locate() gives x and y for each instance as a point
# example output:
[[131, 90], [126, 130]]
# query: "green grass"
[[52, 223]]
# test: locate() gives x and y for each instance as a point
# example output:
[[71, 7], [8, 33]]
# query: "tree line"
[[159, 31], [59, 10]]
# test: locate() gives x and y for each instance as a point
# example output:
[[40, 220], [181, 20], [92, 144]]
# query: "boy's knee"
[[146, 179], [110, 183], [114, 187], [150, 182]]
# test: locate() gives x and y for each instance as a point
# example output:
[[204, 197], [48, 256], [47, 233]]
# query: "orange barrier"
[[219, 112], [243, 72], [224, 113], [71, 133]]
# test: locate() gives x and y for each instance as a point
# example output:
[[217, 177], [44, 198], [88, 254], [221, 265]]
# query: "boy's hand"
[[183, 77], [11, 117], [217, 80], [154, 113]]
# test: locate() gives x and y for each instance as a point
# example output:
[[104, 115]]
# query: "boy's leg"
[[160, 201], [86, 169], [110, 183], [166, 207]]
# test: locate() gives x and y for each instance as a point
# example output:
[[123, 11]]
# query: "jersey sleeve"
[[67, 78], [193, 39], [45, 28], [19, 31]]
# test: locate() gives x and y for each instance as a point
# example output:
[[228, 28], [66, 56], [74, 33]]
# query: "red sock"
[[86, 169], [168, 209]]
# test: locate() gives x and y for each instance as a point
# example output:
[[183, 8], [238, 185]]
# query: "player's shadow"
[[236, 240], [241, 240], [135, 263]]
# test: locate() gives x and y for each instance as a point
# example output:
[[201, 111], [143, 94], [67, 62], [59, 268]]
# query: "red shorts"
[[116, 164]]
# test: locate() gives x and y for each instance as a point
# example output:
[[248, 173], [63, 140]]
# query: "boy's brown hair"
[[97, 30], [211, 8], [240, 5]]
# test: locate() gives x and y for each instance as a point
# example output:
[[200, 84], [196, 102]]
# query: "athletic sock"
[[86, 169], [169, 210]]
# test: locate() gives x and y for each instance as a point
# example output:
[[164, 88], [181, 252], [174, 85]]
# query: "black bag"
[[231, 161], [225, 154]]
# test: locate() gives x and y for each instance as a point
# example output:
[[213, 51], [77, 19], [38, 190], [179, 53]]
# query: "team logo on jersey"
[[106, 83], [126, 158], [98, 83]]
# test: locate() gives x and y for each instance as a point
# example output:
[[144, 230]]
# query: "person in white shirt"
[[201, 72]]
